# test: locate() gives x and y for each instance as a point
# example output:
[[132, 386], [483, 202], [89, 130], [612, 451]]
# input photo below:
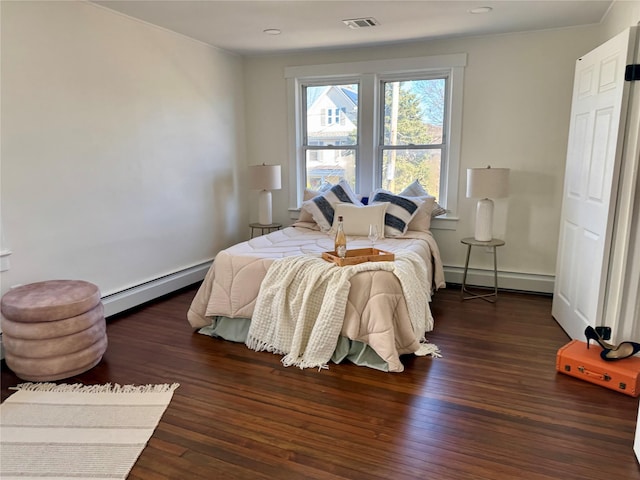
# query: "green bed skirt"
[[237, 329]]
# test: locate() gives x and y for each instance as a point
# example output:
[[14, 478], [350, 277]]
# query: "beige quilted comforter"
[[376, 312]]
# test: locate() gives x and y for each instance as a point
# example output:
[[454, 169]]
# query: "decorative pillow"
[[321, 207], [422, 220], [308, 225], [305, 216], [414, 190], [309, 194], [356, 219], [437, 210], [417, 190], [400, 211]]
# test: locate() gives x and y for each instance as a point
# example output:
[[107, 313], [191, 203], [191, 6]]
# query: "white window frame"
[[367, 173], [300, 147], [444, 158]]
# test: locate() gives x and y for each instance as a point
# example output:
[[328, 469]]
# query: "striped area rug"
[[50, 431]]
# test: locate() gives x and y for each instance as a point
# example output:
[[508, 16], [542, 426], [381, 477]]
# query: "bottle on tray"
[[341, 240]]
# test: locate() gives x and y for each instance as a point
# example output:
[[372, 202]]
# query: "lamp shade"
[[265, 177], [487, 182]]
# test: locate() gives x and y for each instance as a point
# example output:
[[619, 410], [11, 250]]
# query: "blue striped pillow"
[[322, 207], [399, 213]]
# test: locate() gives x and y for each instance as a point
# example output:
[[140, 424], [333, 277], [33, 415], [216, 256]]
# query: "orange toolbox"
[[620, 375]]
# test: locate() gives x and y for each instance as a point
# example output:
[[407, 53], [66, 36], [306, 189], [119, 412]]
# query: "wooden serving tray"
[[359, 255]]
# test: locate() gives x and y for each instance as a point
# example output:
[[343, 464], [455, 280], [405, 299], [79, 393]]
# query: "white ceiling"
[[237, 26]]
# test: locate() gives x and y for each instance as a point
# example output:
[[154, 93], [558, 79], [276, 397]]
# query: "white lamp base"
[[264, 207], [484, 220]]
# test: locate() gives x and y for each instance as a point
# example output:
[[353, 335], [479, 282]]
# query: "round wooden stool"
[[53, 330]]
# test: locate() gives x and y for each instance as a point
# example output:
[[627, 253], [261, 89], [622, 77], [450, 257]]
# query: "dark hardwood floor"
[[493, 407]]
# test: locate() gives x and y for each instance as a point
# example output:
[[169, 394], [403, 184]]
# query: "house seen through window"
[[331, 121]]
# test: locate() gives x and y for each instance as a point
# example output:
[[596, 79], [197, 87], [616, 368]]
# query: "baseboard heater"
[[147, 291], [134, 296]]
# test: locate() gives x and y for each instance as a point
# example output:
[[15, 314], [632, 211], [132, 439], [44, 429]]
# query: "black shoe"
[[624, 350], [591, 334]]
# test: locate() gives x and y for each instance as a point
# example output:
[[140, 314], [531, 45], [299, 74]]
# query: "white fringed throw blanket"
[[64, 431], [301, 305]]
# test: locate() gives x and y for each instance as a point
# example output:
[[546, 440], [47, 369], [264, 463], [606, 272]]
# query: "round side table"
[[271, 227], [472, 242]]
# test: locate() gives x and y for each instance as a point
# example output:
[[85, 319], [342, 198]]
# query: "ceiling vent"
[[361, 22]]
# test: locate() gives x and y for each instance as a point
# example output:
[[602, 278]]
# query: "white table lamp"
[[486, 183], [264, 178]]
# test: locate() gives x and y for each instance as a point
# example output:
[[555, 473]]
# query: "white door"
[[596, 132]]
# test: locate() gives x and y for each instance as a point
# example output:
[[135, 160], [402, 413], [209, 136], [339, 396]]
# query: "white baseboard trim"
[[526, 282], [134, 296]]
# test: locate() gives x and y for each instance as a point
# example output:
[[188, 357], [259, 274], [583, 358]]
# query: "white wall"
[[122, 147], [517, 98], [621, 15]]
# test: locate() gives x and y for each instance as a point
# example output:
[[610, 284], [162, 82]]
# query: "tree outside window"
[[412, 140]]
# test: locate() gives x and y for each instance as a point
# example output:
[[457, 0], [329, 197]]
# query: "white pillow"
[[321, 207], [356, 219], [417, 190], [400, 211]]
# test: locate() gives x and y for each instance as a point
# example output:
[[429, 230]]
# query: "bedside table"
[[472, 242], [264, 228]]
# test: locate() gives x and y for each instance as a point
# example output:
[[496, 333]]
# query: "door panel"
[[577, 171], [563, 284], [598, 112], [587, 274], [599, 174]]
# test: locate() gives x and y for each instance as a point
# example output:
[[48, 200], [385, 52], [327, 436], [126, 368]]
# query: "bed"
[[377, 326]]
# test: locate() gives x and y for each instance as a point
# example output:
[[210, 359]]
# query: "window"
[[382, 129], [329, 123], [333, 116], [413, 142]]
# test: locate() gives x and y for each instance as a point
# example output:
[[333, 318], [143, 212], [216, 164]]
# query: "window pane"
[[414, 112], [401, 167], [330, 166], [332, 115]]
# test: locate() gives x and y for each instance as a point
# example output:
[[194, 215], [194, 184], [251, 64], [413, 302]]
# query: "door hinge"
[[604, 332], [632, 72]]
